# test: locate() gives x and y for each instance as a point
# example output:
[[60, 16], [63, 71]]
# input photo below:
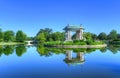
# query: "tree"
[[46, 31], [9, 36], [112, 35], [88, 35], [94, 36], [62, 36], [56, 36], [1, 35], [20, 36], [102, 36], [41, 38]]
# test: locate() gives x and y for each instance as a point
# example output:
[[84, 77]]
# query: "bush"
[[77, 41], [89, 42], [68, 43], [53, 43]]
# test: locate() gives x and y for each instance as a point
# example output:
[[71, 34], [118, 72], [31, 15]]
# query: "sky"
[[30, 16]]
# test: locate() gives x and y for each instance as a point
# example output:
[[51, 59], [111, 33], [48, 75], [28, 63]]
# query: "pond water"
[[40, 62]]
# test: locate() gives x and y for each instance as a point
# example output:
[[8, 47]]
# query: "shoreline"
[[10, 43], [78, 46]]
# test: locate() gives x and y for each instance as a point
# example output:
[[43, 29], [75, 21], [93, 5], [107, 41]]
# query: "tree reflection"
[[43, 51], [1, 50], [7, 50], [103, 50], [20, 50], [113, 48]]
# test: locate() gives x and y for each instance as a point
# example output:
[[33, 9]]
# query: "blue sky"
[[32, 15]]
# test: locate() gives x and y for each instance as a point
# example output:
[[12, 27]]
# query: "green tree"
[[56, 36], [9, 36], [62, 36], [1, 35], [112, 35], [20, 36], [94, 36], [47, 32], [102, 36], [41, 38], [87, 35]]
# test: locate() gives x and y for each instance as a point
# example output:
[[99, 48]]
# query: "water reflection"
[[47, 52], [43, 51], [114, 48], [79, 59], [34, 62], [20, 50], [8, 50]]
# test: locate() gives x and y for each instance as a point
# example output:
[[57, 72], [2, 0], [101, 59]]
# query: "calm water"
[[39, 62]]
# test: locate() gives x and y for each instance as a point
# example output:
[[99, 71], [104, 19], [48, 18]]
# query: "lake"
[[39, 62]]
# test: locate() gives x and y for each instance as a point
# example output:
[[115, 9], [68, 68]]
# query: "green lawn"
[[10, 43]]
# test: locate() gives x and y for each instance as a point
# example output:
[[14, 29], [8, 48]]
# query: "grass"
[[10, 43], [76, 42]]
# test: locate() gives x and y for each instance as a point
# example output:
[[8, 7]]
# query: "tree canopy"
[[20, 36]]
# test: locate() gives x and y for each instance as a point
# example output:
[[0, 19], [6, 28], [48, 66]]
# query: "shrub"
[[68, 43], [77, 41], [89, 42]]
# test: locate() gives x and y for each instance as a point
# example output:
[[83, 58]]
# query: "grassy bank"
[[75, 42], [11, 43]]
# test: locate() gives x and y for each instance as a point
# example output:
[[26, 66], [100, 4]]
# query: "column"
[[69, 54], [80, 55], [68, 35], [81, 34], [77, 35]]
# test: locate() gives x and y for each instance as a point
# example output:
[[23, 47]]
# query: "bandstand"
[[78, 29]]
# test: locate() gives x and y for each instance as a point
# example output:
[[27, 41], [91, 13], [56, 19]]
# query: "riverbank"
[[78, 46], [10, 43]]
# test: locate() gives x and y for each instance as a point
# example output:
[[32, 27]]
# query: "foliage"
[[52, 43], [90, 42], [87, 35], [102, 36], [51, 36], [94, 36], [20, 36], [112, 35], [9, 36], [41, 38], [1, 35]]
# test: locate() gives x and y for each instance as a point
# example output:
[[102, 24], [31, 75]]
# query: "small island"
[[80, 39]]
